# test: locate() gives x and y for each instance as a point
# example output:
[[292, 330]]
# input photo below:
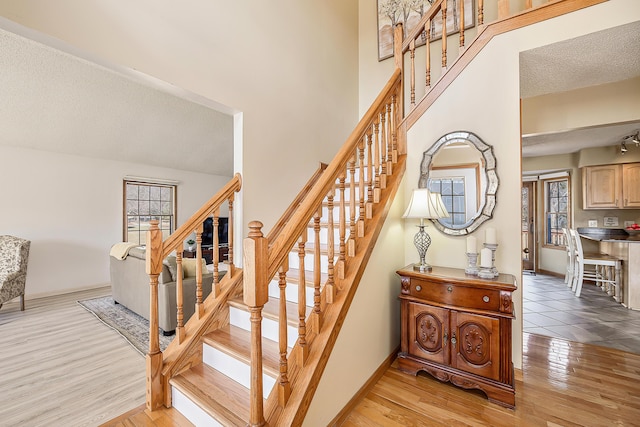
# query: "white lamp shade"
[[427, 205]]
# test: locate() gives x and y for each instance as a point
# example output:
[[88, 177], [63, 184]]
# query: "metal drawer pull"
[[485, 298], [418, 288], [449, 289], [453, 339]]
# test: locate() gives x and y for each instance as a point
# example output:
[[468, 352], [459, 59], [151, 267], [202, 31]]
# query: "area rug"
[[133, 328]]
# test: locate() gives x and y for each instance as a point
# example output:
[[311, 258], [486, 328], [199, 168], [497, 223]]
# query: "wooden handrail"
[[419, 28]]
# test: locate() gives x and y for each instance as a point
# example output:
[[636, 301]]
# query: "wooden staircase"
[[257, 348]]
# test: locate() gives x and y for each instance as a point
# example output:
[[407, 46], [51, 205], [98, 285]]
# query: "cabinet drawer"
[[452, 295]]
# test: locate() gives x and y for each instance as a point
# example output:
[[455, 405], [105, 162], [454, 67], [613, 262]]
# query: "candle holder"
[[485, 273], [493, 247], [472, 264]]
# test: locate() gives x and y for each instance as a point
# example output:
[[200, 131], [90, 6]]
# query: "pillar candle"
[[485, 258], [472, 245], [490, 236]]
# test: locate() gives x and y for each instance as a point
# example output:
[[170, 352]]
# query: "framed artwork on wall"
[[409, 12]]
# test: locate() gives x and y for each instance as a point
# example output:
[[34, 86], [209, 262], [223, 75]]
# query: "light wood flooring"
[[61, 367]]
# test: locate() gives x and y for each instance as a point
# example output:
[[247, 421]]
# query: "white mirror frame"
[[488, 202]]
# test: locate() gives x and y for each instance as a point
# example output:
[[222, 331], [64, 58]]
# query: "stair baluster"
[[179, 299], [351, 245], [361, 187], [317, 314], [342, 226], [383, 150], [215, 287], [199, 311], [376, 160], [284, 387], [389, 139], [369, 205], [329, 289], [230, 266], [302, 301]]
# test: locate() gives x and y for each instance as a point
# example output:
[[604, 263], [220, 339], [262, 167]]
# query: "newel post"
[[256, 266], [153, 267]]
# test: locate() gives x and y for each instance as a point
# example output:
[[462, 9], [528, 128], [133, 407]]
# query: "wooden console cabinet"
[[457, 328]]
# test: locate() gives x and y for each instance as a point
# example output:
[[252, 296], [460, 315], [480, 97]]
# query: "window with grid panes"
[[556, 211], [144, 202], [453, 196]]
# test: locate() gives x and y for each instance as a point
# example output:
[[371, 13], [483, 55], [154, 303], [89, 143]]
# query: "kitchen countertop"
[[608, 235]]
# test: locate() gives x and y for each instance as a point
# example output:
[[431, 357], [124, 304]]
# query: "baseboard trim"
[[364, 390], [550, 273]]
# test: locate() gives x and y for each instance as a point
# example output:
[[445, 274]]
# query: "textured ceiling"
[[598, 58], [57, 102]]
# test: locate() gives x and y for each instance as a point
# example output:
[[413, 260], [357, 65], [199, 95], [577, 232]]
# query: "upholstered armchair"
[[14, 254]]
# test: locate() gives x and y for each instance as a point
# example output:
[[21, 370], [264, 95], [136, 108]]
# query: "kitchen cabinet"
[[611, 186], [457, 328]]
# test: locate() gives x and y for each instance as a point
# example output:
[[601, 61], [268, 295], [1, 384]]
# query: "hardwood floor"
[[562, 384], [62, 367]]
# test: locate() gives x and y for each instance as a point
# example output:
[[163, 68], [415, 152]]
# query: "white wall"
[[290, 67], [70, 207]]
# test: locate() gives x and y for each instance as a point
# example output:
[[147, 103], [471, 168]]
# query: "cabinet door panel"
[[428, 332], [602, 187], [476, 345], [631, 185]]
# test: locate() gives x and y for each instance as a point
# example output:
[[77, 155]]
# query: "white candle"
[[472, 245], [490, 236], [485, 258]]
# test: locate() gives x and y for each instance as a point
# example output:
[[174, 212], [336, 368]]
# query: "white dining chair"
[[571, 258], [603, 269]]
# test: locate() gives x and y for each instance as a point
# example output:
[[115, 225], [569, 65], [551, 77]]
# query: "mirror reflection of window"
[[452, 190]]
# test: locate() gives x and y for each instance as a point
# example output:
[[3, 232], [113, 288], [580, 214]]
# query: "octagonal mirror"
[[462, 168]]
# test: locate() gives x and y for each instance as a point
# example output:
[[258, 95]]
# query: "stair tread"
[[221, 397], [272, 308], [236, 342]]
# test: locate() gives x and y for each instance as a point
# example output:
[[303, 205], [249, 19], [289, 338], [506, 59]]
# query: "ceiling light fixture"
[[623, 147], [635, 138]]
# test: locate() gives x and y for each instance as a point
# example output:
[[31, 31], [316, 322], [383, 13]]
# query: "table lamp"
[[424, 205]]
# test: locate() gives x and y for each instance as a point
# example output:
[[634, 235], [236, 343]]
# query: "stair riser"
[[291, 292], [234, 368], [270, 330], [294, 262], [196, 415]]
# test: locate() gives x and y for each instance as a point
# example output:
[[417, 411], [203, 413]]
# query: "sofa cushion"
[[189, 267], [170, 263]]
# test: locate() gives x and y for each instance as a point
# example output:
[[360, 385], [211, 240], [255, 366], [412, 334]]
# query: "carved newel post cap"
[[255, 229]]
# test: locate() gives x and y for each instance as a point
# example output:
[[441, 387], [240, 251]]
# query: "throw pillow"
[[189, 267], [171, 264]]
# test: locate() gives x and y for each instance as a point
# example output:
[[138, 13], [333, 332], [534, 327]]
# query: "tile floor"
[[551, 309]]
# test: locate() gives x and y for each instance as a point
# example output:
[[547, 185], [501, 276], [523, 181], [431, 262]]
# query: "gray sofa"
[[130, 287]]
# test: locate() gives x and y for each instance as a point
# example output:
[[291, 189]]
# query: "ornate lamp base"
[[422, 267]]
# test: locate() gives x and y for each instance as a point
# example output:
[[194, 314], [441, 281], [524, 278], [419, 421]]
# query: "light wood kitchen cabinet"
[[631, 185], [458, 328], [611, 186]]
